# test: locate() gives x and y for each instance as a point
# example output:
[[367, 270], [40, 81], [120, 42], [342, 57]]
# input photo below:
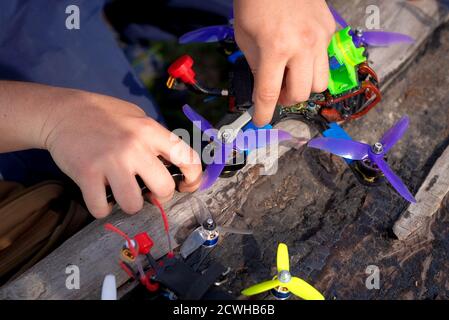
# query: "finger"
[[298, 82], [176, 151], [320, 72], [157, 178], [94, 194], [268, 76], [126, 190]]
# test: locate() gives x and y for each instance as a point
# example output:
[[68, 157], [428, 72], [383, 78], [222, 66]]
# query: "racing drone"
[[352, 92], [158, 277], [170, 278]]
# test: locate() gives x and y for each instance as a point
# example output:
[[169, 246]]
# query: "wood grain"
[[429, 199]]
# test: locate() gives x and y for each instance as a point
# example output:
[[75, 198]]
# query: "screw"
[[225, 136], [284, 276], [359, 32], [377, 148], [209, 224]]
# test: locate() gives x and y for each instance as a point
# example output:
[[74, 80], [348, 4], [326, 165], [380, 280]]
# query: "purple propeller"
[[380, 38], [208, 34], [245, 141], [371, 38], [337, 16], [354, 150]]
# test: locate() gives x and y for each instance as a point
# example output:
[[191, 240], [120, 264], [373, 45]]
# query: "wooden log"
[[95, 251], [429, 199]]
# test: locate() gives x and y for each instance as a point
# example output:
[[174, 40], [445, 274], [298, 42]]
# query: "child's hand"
[[99, 140], [285, 43]]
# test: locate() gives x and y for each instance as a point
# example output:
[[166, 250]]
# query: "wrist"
[[58, 111]]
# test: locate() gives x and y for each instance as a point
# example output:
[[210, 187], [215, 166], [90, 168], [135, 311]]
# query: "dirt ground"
[[335, 227]]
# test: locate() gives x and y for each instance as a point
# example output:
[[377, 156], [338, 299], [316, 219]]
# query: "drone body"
[[353, 86], [352, 91], [170, 278]]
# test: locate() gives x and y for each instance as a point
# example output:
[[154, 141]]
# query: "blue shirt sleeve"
[[36, 46]]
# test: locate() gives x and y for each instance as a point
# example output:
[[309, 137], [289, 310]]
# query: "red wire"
[[112, 228], [126, 269], [155, 202], [164, 215]]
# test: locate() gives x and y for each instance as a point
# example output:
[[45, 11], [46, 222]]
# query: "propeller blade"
[[255, 139], [347, 149], [283, 260], [394, 180], [192, 243], [231, 16], [385, 39], [109, 289], [395, 133], [213, 171], [199, 121], [302, 289], [208, 34], [211, 175], [222, 229], [337, 16], [202, 213], [261, 287]]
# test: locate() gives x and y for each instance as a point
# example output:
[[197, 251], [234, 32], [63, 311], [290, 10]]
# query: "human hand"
[[99, 140], [285, 43]]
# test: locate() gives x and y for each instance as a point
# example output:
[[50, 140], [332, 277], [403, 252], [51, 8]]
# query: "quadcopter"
[[170, 278], [353, 89]]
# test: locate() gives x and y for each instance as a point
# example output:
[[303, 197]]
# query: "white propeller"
[[206, 229], [109, 290]]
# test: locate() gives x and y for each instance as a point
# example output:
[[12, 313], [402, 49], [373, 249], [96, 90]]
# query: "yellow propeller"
[[261, 287], [283, 260], [302, 289], [284, 279]]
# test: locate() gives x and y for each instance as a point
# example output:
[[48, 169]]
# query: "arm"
[[285, 43], [97, 141]]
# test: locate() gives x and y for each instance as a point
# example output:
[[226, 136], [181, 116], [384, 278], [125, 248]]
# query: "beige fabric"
[[32, 221]]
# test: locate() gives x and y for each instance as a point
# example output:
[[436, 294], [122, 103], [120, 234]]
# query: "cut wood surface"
[[95, 251], [429, 199]]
